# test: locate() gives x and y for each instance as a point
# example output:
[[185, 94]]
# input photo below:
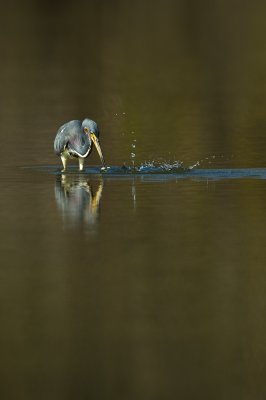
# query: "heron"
[[75, 139]]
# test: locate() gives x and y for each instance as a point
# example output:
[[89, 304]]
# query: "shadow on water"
[[78, 201]]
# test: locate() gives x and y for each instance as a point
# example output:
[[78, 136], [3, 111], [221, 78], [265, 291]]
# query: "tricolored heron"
[[75, 139]]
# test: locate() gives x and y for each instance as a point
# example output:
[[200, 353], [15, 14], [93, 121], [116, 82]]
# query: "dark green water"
[[145, 281]]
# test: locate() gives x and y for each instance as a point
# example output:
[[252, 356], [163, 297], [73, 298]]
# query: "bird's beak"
[[98, 147]]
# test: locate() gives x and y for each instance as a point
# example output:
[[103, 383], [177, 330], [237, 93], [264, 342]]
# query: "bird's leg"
[[64, 162], [81, 163]]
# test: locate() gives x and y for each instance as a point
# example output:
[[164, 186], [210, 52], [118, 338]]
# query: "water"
[[146, 280], [142, 281]]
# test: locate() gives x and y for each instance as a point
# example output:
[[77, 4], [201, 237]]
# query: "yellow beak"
[[98, 147]]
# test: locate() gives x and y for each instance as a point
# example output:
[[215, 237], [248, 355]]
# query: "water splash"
[[133, 151], [160, 167], [197, 164], [206, 160], [149, 167]]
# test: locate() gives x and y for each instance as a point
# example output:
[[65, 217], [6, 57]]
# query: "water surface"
[[132, 284]]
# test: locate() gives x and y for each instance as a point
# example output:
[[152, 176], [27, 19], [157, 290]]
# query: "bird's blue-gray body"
[[75, 139], [71, 138]]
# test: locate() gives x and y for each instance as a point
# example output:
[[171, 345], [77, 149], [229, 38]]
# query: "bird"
[[75, 139]]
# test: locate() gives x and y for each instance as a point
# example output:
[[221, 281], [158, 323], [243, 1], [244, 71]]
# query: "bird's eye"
[[86, 130]]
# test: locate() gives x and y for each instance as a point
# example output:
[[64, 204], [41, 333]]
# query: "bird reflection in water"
[[78, 200]]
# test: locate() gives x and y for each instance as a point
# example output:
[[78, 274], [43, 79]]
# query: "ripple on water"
[[160, 171]]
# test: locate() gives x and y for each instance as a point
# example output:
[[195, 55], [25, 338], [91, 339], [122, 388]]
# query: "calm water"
[[146, 281]]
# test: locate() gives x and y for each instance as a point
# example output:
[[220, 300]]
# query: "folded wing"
[[72, 137]]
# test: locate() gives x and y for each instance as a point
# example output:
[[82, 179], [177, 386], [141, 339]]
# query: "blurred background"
[[126, 288], [186, 77]]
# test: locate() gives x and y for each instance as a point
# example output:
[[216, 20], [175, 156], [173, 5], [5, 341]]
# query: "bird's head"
[[91, 129]]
